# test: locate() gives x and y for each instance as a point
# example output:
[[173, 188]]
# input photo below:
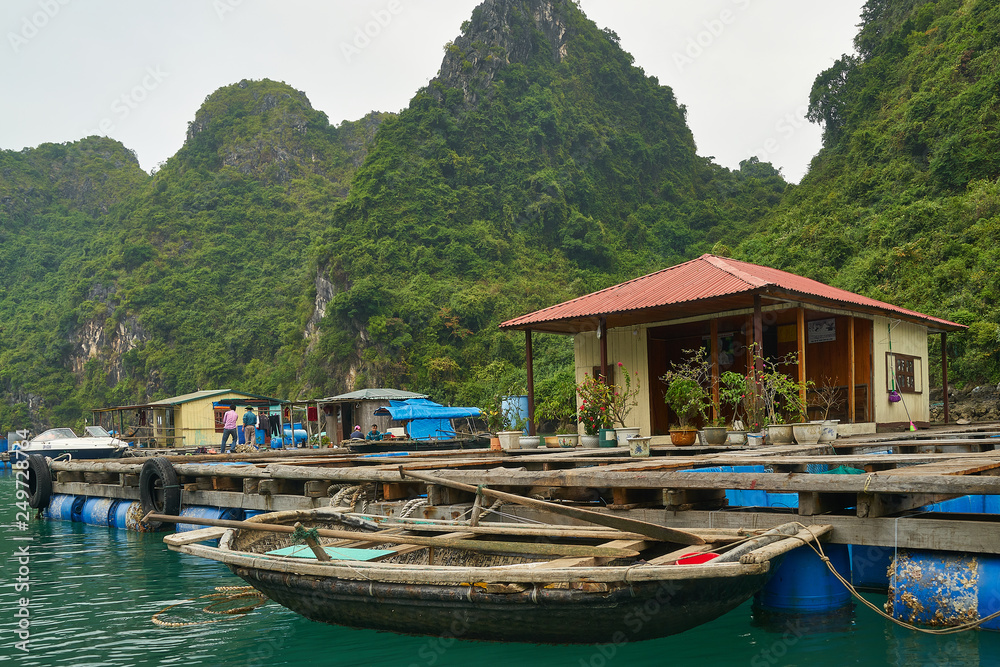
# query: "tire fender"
[[159, 489], [39, 482]]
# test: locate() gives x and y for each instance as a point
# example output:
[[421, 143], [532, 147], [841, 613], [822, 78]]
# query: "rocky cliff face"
[[502, 32]]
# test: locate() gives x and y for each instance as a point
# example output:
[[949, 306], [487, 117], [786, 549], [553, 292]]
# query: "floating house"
[[189, 420], [864, 348], [358, 408]]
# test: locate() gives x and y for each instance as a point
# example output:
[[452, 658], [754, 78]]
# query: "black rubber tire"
[[159, 489], [39, 482]]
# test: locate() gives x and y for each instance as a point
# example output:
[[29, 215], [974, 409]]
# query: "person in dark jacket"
[[357, 434]]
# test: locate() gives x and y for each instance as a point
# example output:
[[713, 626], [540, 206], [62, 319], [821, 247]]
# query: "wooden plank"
[[192, 536], [638, 545], [979, 534]]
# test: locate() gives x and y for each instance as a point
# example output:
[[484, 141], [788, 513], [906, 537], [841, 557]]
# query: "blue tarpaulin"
[[426, 418]]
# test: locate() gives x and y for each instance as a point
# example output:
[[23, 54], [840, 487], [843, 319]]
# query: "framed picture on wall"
[[821, 331]]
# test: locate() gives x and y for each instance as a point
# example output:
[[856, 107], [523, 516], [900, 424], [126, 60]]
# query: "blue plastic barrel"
[[3, 444], [515, 407], [803, 584], [870, 566], [202, 512], [961, 505], [945, 588], [65, 508], [300, 435], [118, 516], [96, 511]]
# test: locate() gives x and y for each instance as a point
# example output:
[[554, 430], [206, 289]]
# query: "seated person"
[[356, 434], [373, 434]]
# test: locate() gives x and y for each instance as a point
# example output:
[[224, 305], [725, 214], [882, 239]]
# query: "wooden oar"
[[621, 523], [486, 546]]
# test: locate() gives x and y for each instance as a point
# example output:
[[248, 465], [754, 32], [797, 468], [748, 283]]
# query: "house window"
[[906, 371]]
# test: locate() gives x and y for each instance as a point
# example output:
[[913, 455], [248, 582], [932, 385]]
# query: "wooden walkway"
[[901, 473]]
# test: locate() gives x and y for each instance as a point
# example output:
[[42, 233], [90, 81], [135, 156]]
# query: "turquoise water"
[[93, 591]]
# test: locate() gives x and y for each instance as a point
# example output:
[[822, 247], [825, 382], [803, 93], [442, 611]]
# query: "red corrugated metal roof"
[[707, 277]]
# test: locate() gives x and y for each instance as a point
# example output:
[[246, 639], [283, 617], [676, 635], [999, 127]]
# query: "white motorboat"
[[97, 444]]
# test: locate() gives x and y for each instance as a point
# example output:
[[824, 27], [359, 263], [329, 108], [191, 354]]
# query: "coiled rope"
[[222, 596]]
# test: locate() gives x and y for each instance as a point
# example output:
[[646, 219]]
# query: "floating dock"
[[920, 504]]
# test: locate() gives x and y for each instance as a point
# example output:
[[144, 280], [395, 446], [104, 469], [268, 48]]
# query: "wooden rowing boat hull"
[[592, 613]]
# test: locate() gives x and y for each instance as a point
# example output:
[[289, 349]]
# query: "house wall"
[[910, 339], [194, 421], [628, 347]]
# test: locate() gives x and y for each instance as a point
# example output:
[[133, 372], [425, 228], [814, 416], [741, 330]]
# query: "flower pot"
[[624, 433], [682, 437], [638, 446], [828, 430], [606, 438], [806, 434], [714, 435], [755, 439], [510, 439], [736, 437], [530, 441], [551, 441], [494, 444], [568, 439], [590, 441], [781, 434]]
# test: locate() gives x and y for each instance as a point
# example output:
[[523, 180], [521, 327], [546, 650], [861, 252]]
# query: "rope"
[[302, 534], [222, 596], [815, 545], [411, 506]]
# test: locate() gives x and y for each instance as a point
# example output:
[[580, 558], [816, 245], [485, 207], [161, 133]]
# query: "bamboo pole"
[[622, 523], [393, 537]]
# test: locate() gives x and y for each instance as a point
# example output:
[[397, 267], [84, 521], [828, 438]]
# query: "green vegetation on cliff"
[[903, 202]]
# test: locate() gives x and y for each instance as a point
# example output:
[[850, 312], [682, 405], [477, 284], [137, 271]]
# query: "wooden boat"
[[501, 582]]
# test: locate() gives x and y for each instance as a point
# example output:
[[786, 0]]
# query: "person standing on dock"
[[250, 427], [229, 427]]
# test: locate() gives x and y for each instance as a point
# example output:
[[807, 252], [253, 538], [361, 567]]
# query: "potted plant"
[[716, 432], [623, 398], [764, 396], [827, 397], [593, 413], [687, 395]]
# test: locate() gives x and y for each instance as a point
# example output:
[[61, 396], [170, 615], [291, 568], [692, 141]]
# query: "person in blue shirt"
[[373, 434], [250, 427]]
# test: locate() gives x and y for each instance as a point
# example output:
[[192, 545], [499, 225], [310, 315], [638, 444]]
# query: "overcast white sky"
[[137, 70]]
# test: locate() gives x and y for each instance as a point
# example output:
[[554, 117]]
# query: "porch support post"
[[851, 380], [800, 336], [714, 351], [944, 373], [531, 381], [602, 335]]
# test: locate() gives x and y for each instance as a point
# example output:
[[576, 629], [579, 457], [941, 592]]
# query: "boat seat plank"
[[192, 536]]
